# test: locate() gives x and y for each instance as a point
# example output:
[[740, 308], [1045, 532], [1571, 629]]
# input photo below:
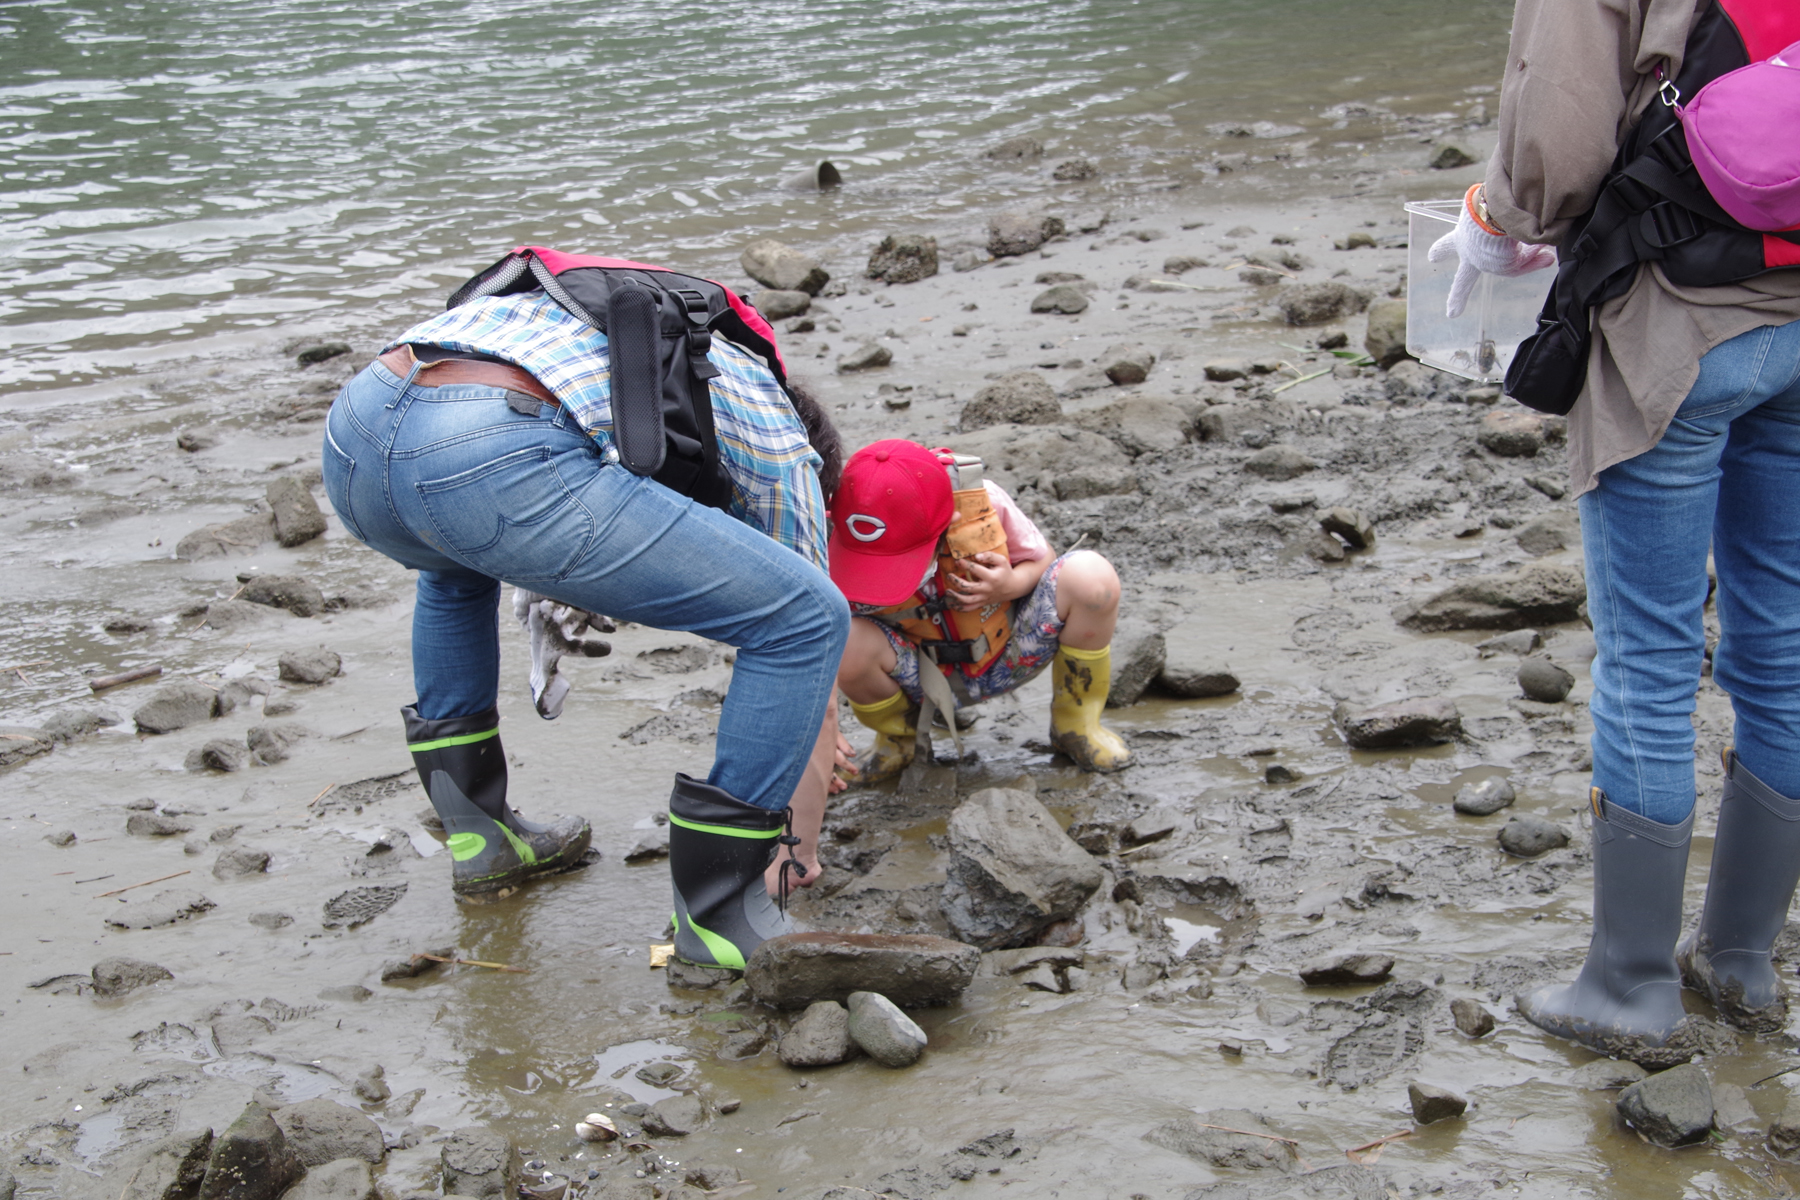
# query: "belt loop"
[[406, 384]]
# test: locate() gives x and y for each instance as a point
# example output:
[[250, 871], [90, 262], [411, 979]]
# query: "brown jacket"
[[1578, 75]]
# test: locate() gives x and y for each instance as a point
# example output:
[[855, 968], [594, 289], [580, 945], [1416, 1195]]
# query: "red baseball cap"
[[893, 504]]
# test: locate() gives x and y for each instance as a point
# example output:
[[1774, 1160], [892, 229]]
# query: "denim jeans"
[[1726, 474], [453, 483]]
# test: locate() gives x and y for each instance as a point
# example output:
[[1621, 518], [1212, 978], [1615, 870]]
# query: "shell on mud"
[[596, 1127], [360, 905]]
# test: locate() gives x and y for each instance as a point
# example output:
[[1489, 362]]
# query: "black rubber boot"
[[492, 849], [1756, 862], [718, 849], [1626, 1003]]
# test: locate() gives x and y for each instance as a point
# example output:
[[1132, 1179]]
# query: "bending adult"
[[480, 447], [1685, 437]]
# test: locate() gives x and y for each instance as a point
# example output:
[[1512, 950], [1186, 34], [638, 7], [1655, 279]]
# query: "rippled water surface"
[[177, 170]]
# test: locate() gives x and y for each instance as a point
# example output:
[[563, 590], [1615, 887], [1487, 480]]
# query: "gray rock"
[[866, 357], [61, 838], [1177, 264], [1127, 364], [904, 258], [1731, 1108], [1017, 398], [1074, 170], [1670, 1108], [1385, 341], [238, 693], [1279, 463], [1608, 1075], [1323, 547], [480, 1164], [164, 908], [969, 260], [310, 666], [297, 515], [321, 1131], [884, 1033], [1016, 232], [1245, 422], [18, 743], [1447, 156], [1541, 594], [155, 824], [1519, 641], [1013, 871], [195, 440], [237, 861], [1348, 523], [1549, 532], [120, 976], [271, 744], [1140, 424], [674, 1116], [170, 1168], [1068, 463], [1784, 1134], [1347, 968], [1485, 797], [1511, 434], [320, 352], [777, 305], [1317, 303], [800, 969], [240, 536], [1431, 1103], [71, 723], [218, 755], [295, 593], [1224, 370], [251, 1160], [1195, 679], [1416, 722], [1528, 835], [652, 844], [1066, 298], [782, 267], [1209, 1138], [820, 1038], [1358, 240], [1138, 656], [231, 615], [1261, 276], [344, 1179], [176, 706], [1544, 681], [1022, 148], [1472, 1019]]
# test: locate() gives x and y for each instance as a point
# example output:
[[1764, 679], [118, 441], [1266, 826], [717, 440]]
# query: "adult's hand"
[[1482, 248]]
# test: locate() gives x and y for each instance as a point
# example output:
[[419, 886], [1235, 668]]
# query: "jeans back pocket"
[[512, 518]]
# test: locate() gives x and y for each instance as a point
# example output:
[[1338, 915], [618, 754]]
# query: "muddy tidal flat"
[[1318, 550]]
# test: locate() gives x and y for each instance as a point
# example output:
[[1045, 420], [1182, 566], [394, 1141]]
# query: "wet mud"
[[1248, 843]]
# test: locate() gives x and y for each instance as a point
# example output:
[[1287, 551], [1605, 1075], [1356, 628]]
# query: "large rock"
[[799, 969], [176, 706], [1230, 422], [820, 1038], [1386, 339], [1484, 797], [1347, 969], [1227, 1137], [674, 1116], [480, 1164], [155, 824], [1357, 530], [119, 976], [1541, 594], [241, 536], [780, 266], [1138, 656], [1140, 424], [171, 1168], [777, 305], [1018, 398], [1784, 1134], [20, 742], [344, 1179], [1416, 722], [220, 754], [316, 665], [1013, 871], [1017, 232], [1432, 1103], [164, 908], [1472, 1020], [1126, 364], [867, 357], [1670, 1108], [295, 593], [1064, 462], [1512, 434], [883, 1032], [1279, 463], [1196, 679], [1065, 298], [321, 1131], [251, 1160], [1544, 681], [1527, 835], [1317, 303], [297, 515], [904, 258], [1549, 532]]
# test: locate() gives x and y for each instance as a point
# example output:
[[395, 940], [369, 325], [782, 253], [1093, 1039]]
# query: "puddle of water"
[[617, 1067]]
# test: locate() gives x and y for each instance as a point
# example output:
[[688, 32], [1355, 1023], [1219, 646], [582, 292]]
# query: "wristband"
[[1478, 210]]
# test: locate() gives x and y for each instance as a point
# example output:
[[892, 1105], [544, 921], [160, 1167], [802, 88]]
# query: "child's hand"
[[986, 579]]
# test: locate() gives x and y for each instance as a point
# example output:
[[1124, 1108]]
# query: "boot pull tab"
[[791, 862]]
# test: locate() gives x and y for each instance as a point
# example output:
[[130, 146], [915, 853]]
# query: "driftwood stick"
[[473, 962], [146, 883], [1247, 1133], [101, 682]]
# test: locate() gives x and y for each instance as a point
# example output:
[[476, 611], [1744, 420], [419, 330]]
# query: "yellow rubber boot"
[[896, 723], [1081, 679]]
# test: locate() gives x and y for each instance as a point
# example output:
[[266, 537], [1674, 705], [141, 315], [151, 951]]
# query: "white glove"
[[1479, 251], [555, 630]]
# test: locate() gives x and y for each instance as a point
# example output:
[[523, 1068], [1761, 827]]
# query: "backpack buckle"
[[1668, 224]]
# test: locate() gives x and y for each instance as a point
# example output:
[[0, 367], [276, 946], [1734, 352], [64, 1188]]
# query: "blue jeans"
[[1726, 474], [456, 485]]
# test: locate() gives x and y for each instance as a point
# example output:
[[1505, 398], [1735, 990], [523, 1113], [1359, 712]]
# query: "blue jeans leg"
[[1725, 474], [455, 643]]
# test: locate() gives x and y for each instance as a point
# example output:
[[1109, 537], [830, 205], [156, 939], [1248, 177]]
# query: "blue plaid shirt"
[[774, 469]]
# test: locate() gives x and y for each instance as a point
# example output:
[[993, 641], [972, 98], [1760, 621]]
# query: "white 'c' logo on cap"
[[873, 527]]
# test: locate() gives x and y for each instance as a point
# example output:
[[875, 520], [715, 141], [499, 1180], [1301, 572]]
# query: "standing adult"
[[481, 446], [1685, 437]]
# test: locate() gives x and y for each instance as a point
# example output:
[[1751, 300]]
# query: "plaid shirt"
[[774, 469]]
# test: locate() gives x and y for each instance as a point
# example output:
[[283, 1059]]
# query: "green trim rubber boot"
[[718, 849], [1626, 1003], [1755, 864], [462, 765], [896, 725]]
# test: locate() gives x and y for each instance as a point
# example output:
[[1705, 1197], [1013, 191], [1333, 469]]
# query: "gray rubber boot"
[[1756, 862], [1626, 1003]]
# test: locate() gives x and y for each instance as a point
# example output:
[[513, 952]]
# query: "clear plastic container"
[[1500, 314]]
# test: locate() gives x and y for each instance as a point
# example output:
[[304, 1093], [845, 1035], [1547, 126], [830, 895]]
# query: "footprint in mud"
[[1373, 1050]]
